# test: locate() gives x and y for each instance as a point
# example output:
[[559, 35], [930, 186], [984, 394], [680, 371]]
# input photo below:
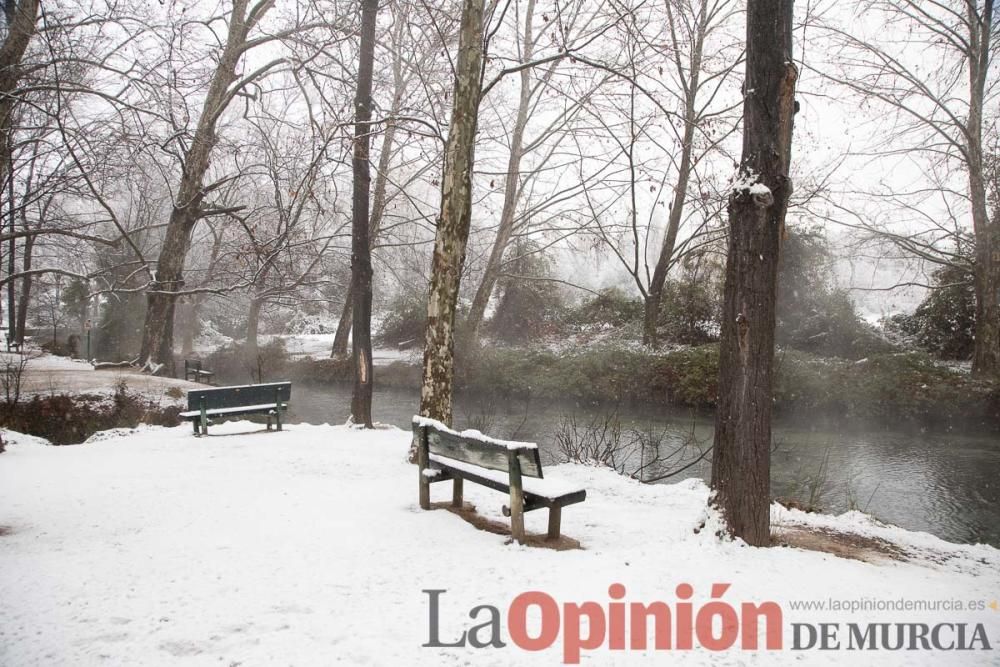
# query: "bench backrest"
[[192, 364], [475, 448], [232, 397]]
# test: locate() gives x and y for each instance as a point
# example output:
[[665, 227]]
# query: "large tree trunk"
[[12, 246], [156, 352], [454, 220], [361, 261], [21, 18], [343, 335], [26, 281], [986, 354], [741, 463], [511, 194], [250, 346]]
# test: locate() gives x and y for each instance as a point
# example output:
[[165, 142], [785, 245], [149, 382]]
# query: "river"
[[945, 484]]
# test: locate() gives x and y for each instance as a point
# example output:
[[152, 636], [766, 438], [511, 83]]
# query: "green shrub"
[[64, 420], [406, 320], [690, 311], [944, 323], [611, 307], [529, 306]]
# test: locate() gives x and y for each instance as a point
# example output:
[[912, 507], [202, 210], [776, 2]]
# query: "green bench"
[[268, 399], [514, 468]]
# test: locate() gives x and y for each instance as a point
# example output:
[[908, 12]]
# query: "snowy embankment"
[[307, 547], [49, 374]]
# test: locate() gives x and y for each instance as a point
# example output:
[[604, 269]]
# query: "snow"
[[50, 374], [318, 346], [307, 547], [472, 434]]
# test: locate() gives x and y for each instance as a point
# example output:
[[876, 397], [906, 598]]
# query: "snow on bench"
[[506, 466], [270, 399]]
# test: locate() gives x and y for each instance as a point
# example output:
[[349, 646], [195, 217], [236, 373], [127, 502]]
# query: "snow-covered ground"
[[307, 547], [50, 374], [318, 346]]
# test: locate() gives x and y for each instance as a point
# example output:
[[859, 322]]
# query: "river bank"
[[908, 391]]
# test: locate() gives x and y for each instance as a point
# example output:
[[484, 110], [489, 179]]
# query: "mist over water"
[[944, 484]]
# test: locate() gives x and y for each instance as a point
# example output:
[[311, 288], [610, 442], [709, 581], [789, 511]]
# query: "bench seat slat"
[[234, 410], [553, 491]]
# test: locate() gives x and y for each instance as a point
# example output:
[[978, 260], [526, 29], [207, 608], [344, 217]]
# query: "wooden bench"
[[193, 371], [269, 399], [514, 468]]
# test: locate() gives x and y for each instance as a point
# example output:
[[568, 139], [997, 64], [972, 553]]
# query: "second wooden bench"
[[514, 468]]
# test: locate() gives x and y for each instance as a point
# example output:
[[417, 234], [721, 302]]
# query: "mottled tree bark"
[[361, 261], [454, 220], [741, 463]]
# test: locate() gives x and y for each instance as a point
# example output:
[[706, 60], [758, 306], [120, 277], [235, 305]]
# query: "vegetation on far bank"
[[903, 389]]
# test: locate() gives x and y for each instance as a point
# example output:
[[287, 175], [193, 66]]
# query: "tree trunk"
[[26, 281], [511, 195], [361, 261], [341, 338], [12, 246], [156, 352], [250, 346], [453, 222], [21, 18], [741, 463], [986, 279]]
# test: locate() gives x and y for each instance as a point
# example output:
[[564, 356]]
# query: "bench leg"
[[517, 513], [277, 418], [269, 422], [555, 518], [194, 422], [423, 463], [456, 493]]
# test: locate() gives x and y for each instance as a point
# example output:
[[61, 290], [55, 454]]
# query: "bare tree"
[[741, 461], [691, 24], [20, 21], [361, 260], [190, 205], [939, 103]]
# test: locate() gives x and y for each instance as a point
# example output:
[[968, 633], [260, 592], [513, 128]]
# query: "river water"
[[945, 484]]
